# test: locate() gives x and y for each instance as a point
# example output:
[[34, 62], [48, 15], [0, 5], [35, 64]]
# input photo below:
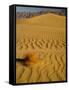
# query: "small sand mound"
[[30, 58]]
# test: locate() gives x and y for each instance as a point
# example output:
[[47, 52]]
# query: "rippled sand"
[[41, 49]]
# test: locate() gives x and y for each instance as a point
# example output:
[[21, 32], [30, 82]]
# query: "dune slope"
[[46, 19]]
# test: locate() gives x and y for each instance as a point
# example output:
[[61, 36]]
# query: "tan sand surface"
[[41, 49]]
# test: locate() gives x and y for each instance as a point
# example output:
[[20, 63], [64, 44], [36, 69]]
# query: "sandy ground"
[[42, 40]]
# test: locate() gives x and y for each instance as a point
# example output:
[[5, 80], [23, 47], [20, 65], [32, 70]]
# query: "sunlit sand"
[[40, 49]]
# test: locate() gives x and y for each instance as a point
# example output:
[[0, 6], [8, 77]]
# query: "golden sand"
[[41, 45]]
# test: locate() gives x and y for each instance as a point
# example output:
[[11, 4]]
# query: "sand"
[[41, 49]]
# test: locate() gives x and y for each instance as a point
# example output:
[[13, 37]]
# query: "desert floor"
[[42, 39]]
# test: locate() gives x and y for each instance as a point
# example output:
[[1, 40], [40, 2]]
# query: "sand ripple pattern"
[[52, 61]]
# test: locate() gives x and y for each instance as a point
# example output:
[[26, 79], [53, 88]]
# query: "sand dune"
[[42, 40], [45, 20]]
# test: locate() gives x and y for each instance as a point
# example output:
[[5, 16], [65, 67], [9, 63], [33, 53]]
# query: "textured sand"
[[42, 39]]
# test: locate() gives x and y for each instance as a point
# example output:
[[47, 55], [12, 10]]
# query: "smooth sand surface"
[[41, 49]]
